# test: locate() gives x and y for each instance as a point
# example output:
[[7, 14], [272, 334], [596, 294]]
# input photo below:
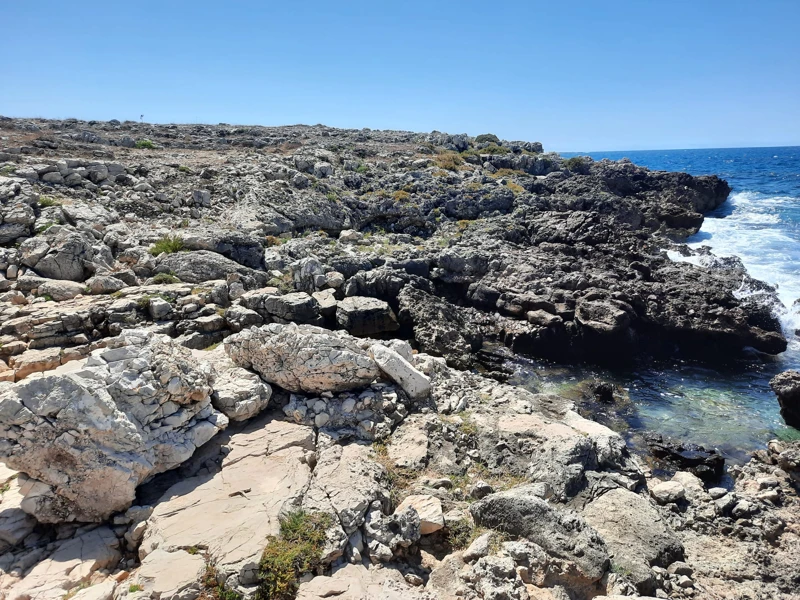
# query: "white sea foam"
[[751, 228]]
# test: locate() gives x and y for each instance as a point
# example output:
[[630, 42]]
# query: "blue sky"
[[578, 75]]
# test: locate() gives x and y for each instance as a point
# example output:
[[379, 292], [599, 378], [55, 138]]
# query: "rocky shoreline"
[[225, 350]]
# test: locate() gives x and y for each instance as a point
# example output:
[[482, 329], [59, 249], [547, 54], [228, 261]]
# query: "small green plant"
[[362, 168], [184, 223], [168, 244], [47, 297], [145, 145], [184, 169], [460, 534], [487, 137], [134, 587], [213, 589], [467, 425], [43, 228], [193, 550], [72, 593], [165, 279], [287, 557], [332, 197], [7, 170], [48, 201]]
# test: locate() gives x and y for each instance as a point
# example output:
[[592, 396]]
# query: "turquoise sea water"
[[730, 407]]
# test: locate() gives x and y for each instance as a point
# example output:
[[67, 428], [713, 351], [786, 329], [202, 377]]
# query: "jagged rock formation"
[[89, 438], [145, 302]]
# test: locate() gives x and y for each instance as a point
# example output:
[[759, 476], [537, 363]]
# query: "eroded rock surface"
[[88, 438]]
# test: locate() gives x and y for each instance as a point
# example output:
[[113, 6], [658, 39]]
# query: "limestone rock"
[[297, 306], [238, 393], [562, 533], [356, 582], [232, 512], [203, 265], [61, 290], [170, 575], [72, 563], [413, 382], [303, 358], [363, 316], [429, 509], [667, 492], [787, 387], [439, 327], [635, 534], [138, 407]]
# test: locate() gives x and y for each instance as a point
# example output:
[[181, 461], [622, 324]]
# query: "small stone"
[[667, 492], [717, 492], [679, 568], [321, 419], [478, 548], [429, 510]]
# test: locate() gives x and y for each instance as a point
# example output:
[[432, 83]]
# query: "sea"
[[729, 407]]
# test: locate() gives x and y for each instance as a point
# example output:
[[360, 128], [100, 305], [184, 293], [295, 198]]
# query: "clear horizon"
[[629, 76]]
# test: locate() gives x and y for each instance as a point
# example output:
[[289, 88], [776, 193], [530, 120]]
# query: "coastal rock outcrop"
[[303, 358], [86, 439], [787, 387]]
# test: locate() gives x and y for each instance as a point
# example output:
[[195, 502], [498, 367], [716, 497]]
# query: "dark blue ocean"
[[731, 407]]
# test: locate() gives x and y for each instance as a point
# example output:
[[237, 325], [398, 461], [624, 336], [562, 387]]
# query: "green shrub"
[[401, 196], [145, 145], [490, 149], [47, 201], [134, 587], [332, 197], [165, 279], [296, 551], [487, 137], [362, 168], [576, 164], [168, 244], [7, 170]]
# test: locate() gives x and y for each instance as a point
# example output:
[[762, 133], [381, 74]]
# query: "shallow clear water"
[[732, 407]]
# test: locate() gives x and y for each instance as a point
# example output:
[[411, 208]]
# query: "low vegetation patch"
[[399, 479], [165, 279], [7, 170], [145, 145], [515, 187], [167, 245], [134, 587], [576, 163], [212, 588], [401, 196], [295, 552], [490, 149], [48, 201], [448, 161]]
